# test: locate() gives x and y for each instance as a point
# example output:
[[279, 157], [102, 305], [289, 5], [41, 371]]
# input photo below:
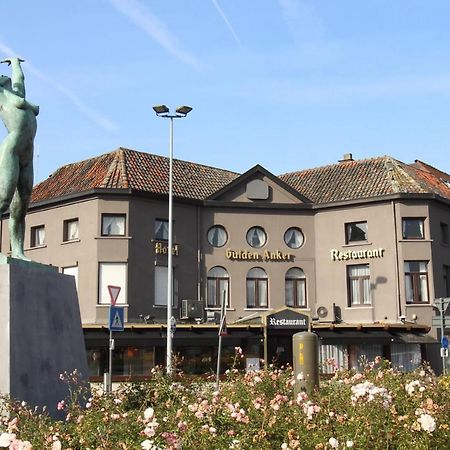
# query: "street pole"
[[111, 348], [163, 111], [169, 257], [223, 313]]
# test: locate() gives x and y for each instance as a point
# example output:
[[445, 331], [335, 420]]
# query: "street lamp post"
[[163, 111]]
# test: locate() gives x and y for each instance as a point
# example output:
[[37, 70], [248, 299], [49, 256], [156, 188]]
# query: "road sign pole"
[[110, 361], [443, 309]]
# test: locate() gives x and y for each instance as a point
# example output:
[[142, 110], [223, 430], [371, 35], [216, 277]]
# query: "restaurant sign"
[[287, 319], [267, 255]]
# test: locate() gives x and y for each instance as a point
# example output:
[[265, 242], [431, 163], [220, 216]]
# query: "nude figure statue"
[[16, 153]]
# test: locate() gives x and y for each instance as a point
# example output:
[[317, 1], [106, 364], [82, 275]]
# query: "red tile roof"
[[125, 168], [350, 180], [347, 180]]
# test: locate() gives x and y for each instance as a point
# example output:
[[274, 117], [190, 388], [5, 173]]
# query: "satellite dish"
[[322, 312]]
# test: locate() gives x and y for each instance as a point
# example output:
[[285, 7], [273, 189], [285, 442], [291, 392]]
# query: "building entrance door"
[[279, 349]]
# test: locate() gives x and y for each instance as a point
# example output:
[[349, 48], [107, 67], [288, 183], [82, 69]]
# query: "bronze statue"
[[16, 153]]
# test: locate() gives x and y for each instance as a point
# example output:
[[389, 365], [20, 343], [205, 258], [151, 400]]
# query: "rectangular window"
[[161, 230], [406, 357], [161, 287], [412, 228], [216, 287], [113, 224], [256, 293], [416, 282], [112, 274], [70, 231], [359, 285], [333, 358], [295, 292], [72, 270], [355, 232], [37, 236], [444, 233], [446, 273]]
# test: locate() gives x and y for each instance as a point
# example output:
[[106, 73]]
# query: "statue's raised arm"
[[17, 76], [16, 153]]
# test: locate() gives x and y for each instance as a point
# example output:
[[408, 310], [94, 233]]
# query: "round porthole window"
[[217, 236], [256, 237], [293, 237]]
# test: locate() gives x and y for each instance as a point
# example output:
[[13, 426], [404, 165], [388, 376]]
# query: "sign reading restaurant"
[[337, 255], [287, 319], [267, 255]]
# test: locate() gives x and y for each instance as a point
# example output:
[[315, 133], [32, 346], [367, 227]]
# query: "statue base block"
[[40, 334]]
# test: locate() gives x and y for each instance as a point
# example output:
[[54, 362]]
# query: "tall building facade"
[[356, 251]]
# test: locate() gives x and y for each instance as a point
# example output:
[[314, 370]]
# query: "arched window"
[[257, 288], [218, 282], [295, 288]]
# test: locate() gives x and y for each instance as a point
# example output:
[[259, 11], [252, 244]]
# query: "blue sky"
[[288, 84]]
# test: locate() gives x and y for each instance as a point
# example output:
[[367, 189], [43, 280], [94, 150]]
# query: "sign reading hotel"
[[267, 255], [161, 249], [287, 319], [337, 255]]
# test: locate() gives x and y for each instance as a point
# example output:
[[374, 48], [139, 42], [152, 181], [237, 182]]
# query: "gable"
[[259, 187]]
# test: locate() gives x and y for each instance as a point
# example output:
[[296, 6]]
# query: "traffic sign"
[[116, 318], [444, 342], [114, 292]]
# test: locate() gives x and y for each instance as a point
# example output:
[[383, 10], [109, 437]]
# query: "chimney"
[[346, 158]]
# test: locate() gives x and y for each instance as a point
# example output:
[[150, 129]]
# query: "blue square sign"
[[116, 318]]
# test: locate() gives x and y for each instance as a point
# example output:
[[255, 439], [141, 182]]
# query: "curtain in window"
[[72, 229], [295, 287], [257, 295], [333, 357], [40, 235], [359, 284], [360, 354], [162, 230], [113, 225], [406, 357], [217, 283]]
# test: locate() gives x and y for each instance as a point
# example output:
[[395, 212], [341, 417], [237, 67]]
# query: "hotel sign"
[[337, 255], [287, 319], [161, 249], [267, 255]]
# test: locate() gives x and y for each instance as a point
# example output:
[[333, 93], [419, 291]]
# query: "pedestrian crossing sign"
[[116, 318]]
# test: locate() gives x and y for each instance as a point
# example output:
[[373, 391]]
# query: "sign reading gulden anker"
[[287, 319]]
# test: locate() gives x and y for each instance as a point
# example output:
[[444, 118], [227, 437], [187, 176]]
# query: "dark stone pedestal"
[[40, 333]]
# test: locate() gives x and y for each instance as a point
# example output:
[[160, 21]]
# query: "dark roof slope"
[[124, 168], [350, 180]]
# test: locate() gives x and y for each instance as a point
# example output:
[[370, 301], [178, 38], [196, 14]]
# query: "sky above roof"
[[288, 84]]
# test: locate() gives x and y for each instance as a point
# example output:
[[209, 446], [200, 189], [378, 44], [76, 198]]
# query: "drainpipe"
[[397, 271]]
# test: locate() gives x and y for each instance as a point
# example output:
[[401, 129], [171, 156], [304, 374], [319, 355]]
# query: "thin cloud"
[[88, 112], [227, 22], [289, 92], [141, 16]]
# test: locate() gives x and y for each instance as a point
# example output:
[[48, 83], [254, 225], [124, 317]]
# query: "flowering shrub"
[[378, 408]]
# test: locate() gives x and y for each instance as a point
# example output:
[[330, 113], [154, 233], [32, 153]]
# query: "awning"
[[354, 336], [414, 338]]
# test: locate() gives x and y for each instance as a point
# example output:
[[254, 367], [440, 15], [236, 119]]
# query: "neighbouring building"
[[355, 251]]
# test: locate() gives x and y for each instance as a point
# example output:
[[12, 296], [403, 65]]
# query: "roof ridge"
[[123, 168], [337, 164], [125, 149], [112, 167]]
